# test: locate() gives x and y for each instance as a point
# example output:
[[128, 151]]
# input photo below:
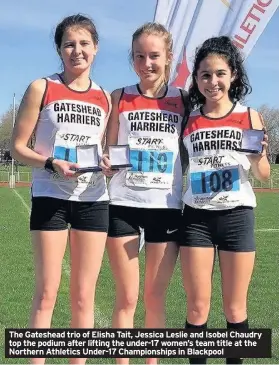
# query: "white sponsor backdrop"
[[193, 21]]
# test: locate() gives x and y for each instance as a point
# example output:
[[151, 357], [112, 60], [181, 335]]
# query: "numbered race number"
[[215, 181], [152, 162]]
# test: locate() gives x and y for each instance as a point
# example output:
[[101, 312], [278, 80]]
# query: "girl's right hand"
[[106, 166], [65, 169]]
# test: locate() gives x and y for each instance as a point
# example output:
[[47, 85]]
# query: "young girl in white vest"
[[68, 113], [147, 117], [219, 200]]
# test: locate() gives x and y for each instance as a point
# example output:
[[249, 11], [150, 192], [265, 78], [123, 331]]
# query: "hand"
[[106, 166], [65, 169], [265, 143], [264, 151]]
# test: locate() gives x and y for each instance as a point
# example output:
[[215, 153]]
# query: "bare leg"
[[123, 256], [87, 249], [236, 271], [49, 249], [159, 265], [197, 265]]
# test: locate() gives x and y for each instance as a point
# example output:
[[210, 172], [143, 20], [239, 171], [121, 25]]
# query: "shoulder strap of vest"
[[121, 96], [44, 95]]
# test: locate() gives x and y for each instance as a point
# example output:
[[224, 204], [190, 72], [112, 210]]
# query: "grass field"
[[17, 280], [22, 173]]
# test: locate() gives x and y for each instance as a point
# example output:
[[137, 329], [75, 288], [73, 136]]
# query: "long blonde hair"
[[159, 30]]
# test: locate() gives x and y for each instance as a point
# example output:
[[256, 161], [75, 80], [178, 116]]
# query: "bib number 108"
[[215, 181]]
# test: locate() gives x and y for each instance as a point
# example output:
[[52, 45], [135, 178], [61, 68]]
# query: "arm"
[[103, 139], [26, 122], [113, 122], [259, 163], [184, 157], [112, 129]]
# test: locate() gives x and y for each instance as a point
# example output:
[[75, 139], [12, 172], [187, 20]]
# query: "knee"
[[235, 313], [45, 299], [82, 301], [198, 308], [127, 301], [154, 299]]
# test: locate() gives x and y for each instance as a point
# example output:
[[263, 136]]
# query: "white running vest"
[[151, 127], [217, 177], [69, 119]]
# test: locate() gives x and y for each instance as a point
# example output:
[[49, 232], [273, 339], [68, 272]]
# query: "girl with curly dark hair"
[[219, 200]]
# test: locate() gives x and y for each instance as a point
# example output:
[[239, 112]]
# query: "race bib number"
[[207, 182], [213, 180], [152, 162]]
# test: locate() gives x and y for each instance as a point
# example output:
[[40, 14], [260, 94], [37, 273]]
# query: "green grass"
[[19, 168], [22, 173], [17, 280]]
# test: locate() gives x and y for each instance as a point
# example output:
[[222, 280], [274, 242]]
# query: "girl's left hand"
[[264, 143], [257, 156]]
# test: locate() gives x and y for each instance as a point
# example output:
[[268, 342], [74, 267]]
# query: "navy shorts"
[[160, 225], [52, 214], [227, 230]]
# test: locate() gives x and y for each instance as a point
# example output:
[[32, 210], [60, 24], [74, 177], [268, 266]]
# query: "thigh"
[[197, 254], [236, 271], [123, 256], [161, 225], [123, 221], [197, 269], [49, 214], [49, 249], [87, 249], [160, 260], [89, 216]]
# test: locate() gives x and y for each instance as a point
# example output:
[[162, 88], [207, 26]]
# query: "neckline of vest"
[[150, 97], [218, 118], [75, 91]]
